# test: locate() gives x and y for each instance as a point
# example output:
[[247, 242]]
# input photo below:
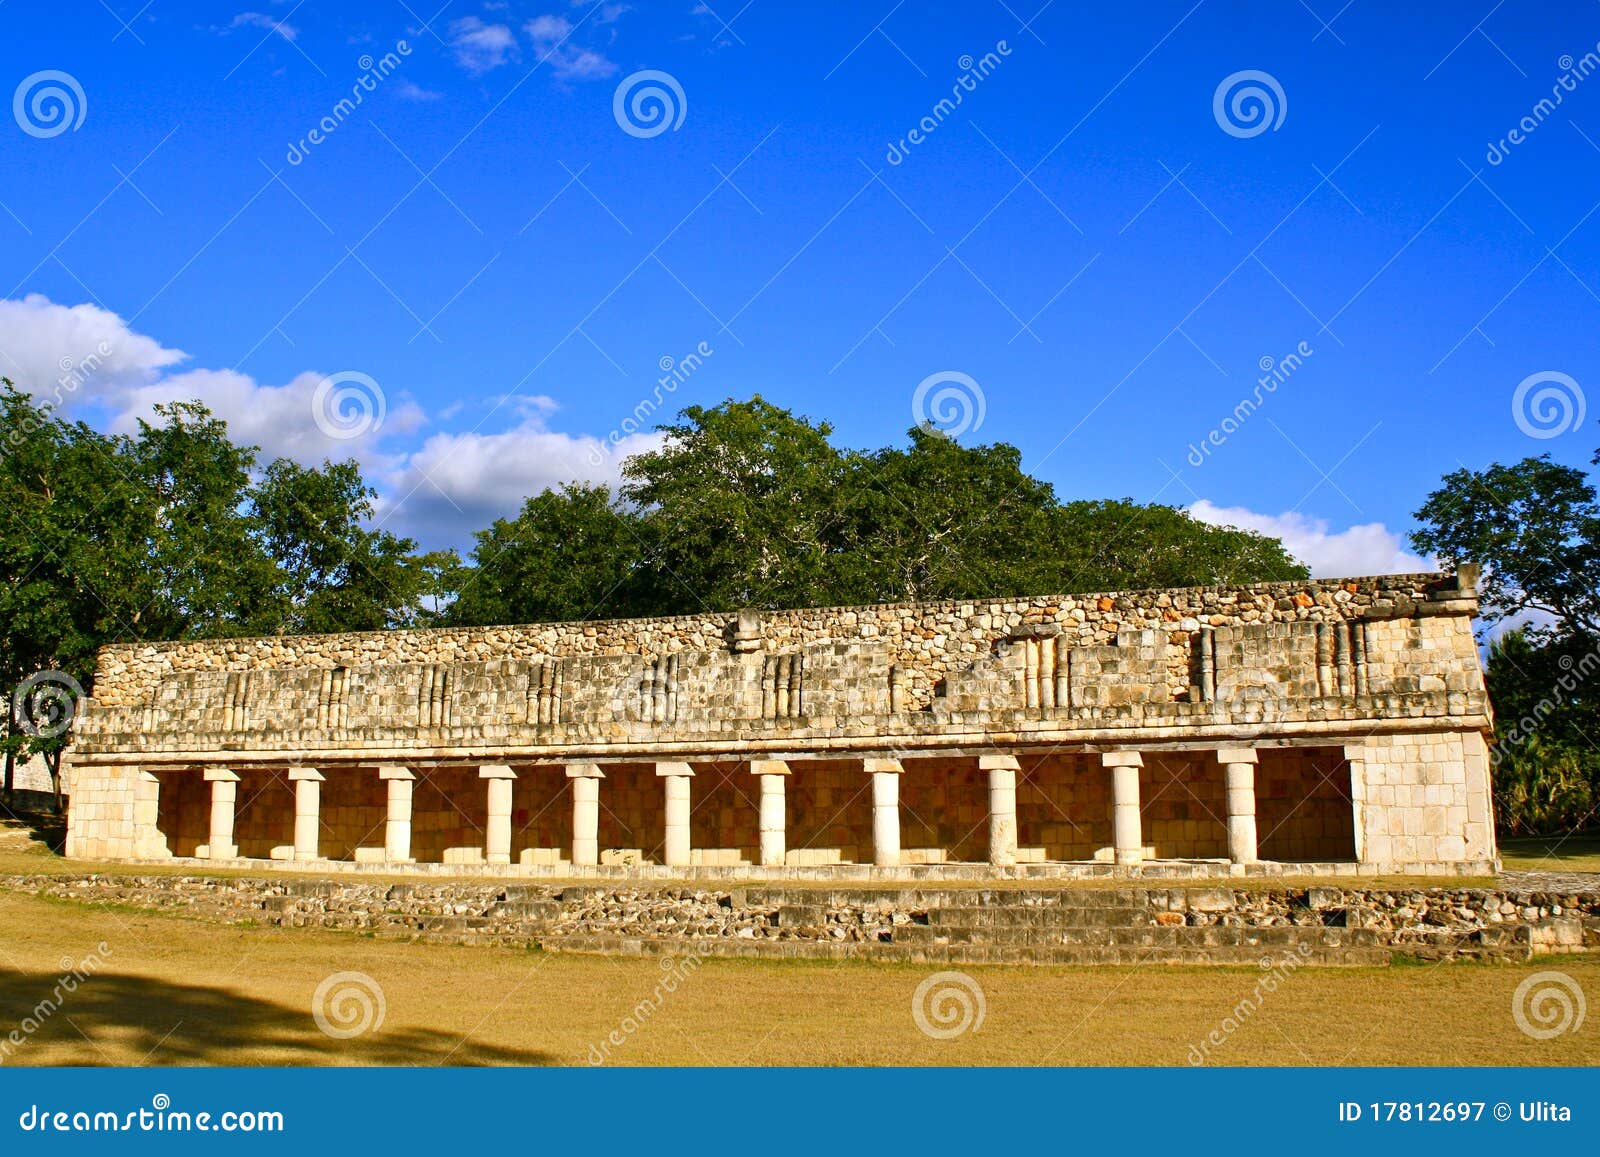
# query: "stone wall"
[[1135, 925]]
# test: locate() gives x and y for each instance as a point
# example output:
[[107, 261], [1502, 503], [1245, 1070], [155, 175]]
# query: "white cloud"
[[453, 484], [408, 90], [481, 47], [78, 351], [459, 483], [1370, 548], [568, 61], [262, 20]]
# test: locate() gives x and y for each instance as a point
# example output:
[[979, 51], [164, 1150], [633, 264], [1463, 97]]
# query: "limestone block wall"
[[1183, 806], [264, 816], [355, 807], [541, 814], [1303, 805], [184, 811], [830, 812], [944, 811], [724, 823], [1422, 797], [1063, 808], [633, 816]]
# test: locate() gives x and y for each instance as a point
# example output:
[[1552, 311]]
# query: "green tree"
[[743, 506], [334, 573], [1534, 527], [575, 553]]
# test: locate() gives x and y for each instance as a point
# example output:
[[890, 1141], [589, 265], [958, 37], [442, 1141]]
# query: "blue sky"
[[1084, 247]]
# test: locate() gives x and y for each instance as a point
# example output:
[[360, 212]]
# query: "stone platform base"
[[1262, 927], [858, 873]]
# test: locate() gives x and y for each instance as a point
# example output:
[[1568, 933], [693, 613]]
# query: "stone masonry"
[[1329, 726]]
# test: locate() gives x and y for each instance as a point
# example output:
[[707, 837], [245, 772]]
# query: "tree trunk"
[[52, 760]]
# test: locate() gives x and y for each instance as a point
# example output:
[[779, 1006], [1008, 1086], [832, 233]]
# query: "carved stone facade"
[[1329, 725]]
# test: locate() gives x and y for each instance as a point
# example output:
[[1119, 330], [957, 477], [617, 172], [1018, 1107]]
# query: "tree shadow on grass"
[[113, 1019], [42, 827]]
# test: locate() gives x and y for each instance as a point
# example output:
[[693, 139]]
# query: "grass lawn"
[[177, 991], [1580, 853]]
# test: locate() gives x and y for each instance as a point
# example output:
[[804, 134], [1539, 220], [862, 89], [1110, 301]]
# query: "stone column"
[[1239, 766], [307, 811], [497, 834], [1002, 771], [224, 794], [585, 779], [676, 776], [885, 810], [774, 811], [1126, 830], [397, 827]]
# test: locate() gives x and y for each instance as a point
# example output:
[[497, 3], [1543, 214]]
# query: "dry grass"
[[179, 991]]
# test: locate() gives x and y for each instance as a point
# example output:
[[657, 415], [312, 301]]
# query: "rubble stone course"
[[1207, 924]]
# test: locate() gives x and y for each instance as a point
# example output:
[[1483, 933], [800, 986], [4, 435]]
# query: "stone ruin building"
[[1328, 726]]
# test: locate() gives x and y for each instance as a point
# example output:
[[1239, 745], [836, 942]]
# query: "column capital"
[[221, 775], [1121, 759], [496, 771], [670, 768], [769, 767], [998, 763], [297, 774], [584, 771], [879, 766], [1237, 755], [395, 771]]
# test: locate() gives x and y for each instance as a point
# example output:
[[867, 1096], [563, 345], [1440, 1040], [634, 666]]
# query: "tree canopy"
[[1534, 527]]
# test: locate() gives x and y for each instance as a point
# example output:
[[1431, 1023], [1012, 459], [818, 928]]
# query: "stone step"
[[1042, 917], [1150, 936], [1249, 957]]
